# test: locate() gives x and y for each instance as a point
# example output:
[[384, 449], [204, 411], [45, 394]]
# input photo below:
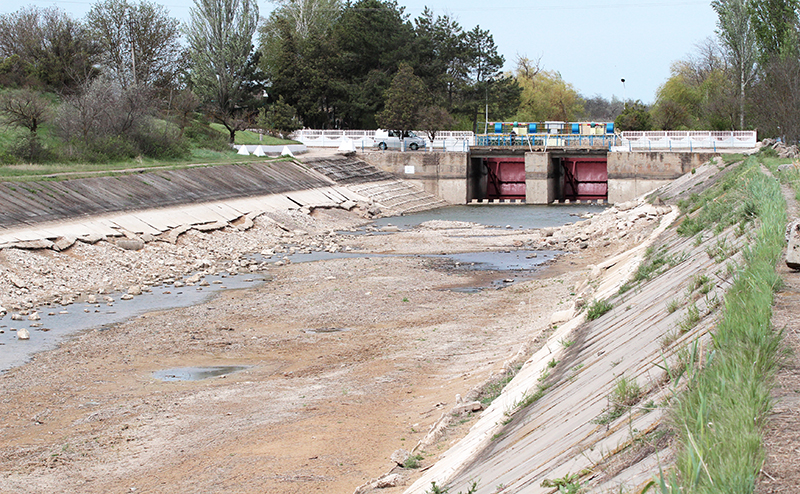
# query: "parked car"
[[390, 139]]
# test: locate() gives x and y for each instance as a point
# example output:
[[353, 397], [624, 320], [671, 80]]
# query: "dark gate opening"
[[585, 178], [505, 178]]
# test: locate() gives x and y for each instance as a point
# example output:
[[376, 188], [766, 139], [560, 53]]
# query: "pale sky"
[[593, 44]]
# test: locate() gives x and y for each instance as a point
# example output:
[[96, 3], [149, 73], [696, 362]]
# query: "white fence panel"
[[454, 141], [686, 140]]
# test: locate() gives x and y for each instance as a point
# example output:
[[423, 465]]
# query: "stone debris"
[[63, 243], [793, 249], [130, 243], [391, 480], [400, 456], [464, 408], [781, 148], [23, 334], [91, 238]]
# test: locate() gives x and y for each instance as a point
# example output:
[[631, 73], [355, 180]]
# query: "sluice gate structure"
[[550, 169]]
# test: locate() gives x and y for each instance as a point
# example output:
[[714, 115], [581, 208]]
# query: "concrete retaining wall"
[[633, 174], [442, 174], [47, 200]]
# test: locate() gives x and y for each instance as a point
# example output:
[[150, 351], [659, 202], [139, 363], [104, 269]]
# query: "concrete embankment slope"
[[54, 214], [587, 408], [27, 202]]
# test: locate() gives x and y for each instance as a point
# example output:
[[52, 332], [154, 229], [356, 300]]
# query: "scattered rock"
[[34, 244], [562, 316], [34, 316], [126, 296], [130, 243], [63, 243], [23, 334], [135, 290], [91, 238], [472, 406], [400, 456], [207, 227], [391, 480], [347, 205]]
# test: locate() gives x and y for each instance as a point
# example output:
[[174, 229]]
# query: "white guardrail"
[[365, 139], [662, 140], [686, 140]]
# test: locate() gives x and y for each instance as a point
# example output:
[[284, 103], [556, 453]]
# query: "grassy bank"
[[720, 416], [63, 171], [202, 144]]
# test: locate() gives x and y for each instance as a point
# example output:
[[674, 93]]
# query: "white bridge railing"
[[365, 139], [686, 140]]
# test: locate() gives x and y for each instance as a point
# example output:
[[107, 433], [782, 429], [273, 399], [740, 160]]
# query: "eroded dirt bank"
[[316, 410]]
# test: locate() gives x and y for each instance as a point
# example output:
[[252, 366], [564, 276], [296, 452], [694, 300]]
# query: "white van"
[[390, 139]]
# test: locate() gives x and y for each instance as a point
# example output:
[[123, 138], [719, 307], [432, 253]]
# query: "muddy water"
[[517, 216]]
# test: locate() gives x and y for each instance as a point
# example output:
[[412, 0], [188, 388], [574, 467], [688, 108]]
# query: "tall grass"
[[721, 414]]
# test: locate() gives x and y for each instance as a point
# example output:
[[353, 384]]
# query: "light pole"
[[624, 99], [486, 117]]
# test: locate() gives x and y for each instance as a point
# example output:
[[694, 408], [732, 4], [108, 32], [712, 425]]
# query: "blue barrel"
[[610, 128], [498, 127], [531, 128], [576, 128]]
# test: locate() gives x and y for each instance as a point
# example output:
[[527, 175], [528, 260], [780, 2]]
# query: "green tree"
[[775, 24], [441, 56], [483, 65], [279, 119], [433, 119], [634, 117], [139, 42], [404, 99], [545, 95], [371, 39], [220, 37], [700, 93], [45, 48], [738, 38], [300, 68]]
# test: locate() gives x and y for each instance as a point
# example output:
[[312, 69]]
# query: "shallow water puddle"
[[60, 322], [324, 330], [197, 373], [518, 217]]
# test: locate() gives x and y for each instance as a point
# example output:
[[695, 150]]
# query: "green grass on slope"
[[250, 137], [720, 417]]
